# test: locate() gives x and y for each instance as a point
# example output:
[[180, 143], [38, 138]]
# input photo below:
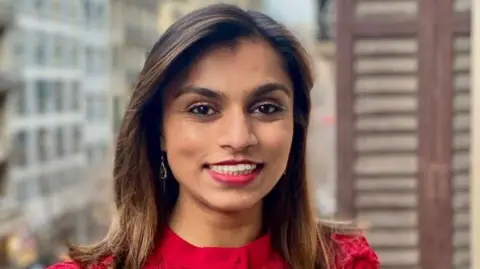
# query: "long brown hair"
[[144, 204]]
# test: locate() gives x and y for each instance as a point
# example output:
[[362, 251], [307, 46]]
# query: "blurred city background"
[[394, 141]]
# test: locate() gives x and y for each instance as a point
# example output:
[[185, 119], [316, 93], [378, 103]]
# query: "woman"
[[210, 162]]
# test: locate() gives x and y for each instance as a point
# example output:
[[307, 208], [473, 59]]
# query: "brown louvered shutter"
[[461, 134], [403, 136]]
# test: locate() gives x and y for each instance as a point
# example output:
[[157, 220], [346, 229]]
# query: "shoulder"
[[354, 252], [74, 265]]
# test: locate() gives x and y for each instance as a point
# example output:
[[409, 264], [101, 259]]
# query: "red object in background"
[[328, 120]]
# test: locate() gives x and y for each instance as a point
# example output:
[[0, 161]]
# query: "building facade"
[[11, 217], [59, 119], [170, 10], [133, 34]]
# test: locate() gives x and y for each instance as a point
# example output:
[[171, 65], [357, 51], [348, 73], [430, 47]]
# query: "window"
[[103, 106], [87, 11], [68, 55], [58, 92], [89, 60], [57, 8], [96, 107], [99, 61], [325, 18], [101, 15], [57, 182], [90, 106], [57, 50], [40, 49], [76, 95], [117, 113], [74, 53], [77, 139], [90, 154], [23, 190], [21, 101], [43, 95], [60, 142], [39, 6], [67, 180], [20, 157], [42, 145], [43, 182], [18, 47], [72, 11], [21, 6], [71, 181]]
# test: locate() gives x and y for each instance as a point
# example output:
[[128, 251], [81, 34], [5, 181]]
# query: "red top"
[[176, 253]]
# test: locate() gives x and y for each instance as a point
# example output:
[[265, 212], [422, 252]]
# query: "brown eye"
[[202, 110], [267, 109]]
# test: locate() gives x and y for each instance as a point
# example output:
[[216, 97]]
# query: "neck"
[[203, 226]]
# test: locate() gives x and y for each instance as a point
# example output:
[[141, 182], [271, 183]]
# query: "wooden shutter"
[[402, 138], [461, 134]]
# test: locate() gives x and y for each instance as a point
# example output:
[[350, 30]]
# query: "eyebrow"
[[271, 87], [262, 90]]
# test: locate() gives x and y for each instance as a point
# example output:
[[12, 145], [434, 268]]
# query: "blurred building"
[[170, 11], [325, 10], [59, 119], [11, 218], [404, 128], [133, 34]]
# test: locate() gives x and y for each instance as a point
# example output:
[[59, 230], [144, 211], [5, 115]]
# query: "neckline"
[[174, 249]]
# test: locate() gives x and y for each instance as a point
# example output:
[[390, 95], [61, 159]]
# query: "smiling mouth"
[[234, 173], [234, 170]]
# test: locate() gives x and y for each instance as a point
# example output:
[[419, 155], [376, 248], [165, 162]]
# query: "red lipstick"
[[234, 172]]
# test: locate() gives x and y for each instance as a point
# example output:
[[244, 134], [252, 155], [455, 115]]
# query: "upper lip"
[[234, 162]]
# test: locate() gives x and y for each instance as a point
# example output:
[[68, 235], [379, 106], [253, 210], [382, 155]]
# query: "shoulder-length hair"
[[144, 205]]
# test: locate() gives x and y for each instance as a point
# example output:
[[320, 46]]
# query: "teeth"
[[239, 169]]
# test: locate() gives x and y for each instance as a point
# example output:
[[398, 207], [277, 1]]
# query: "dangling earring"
[[163, 169]]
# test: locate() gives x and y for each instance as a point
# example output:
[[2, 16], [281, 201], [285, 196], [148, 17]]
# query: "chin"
[[232, 203]]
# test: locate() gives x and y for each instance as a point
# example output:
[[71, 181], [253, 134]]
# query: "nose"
[[237, 133]]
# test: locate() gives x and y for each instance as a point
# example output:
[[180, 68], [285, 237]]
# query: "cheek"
[[183, 140], [277, 139]]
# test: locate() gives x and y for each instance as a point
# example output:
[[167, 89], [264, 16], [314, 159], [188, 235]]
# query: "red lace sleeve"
[[354, 252]]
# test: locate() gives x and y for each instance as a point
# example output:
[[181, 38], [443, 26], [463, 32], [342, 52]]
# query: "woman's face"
[[228, 126]]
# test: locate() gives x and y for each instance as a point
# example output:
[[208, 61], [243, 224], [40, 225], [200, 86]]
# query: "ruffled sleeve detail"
[[354, 252]]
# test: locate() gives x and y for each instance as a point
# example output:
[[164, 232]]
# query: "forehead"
[[245, 64]]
